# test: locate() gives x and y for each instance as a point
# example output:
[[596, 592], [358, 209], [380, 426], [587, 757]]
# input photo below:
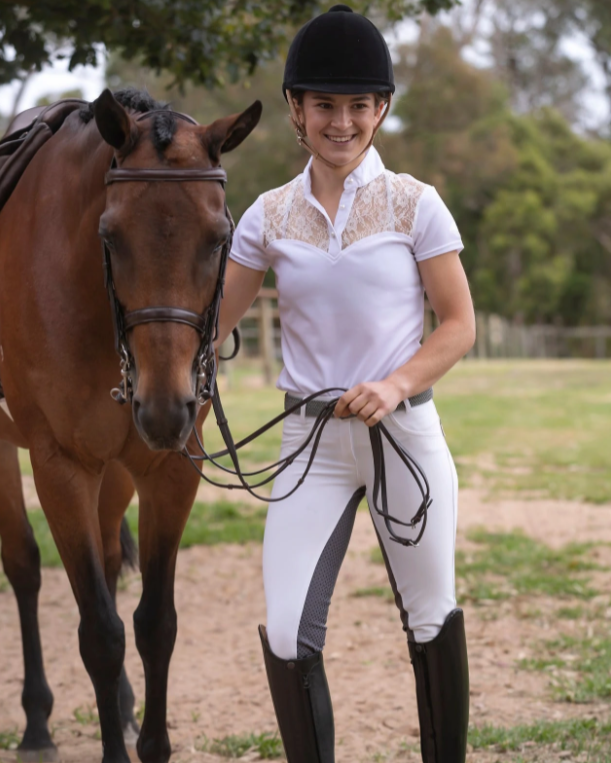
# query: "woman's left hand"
[[370, 401]]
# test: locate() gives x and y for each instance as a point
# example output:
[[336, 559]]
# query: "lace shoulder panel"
[[370, 213], [276, 204], [287, 214], [406, 192]]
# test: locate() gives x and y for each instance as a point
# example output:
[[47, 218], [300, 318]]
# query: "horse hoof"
[[45, 755], [131, 732]]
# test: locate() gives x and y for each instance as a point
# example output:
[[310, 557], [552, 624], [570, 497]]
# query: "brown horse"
[[58, 363]]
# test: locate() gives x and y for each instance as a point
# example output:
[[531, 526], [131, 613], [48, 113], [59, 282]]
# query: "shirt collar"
[[369, 169]]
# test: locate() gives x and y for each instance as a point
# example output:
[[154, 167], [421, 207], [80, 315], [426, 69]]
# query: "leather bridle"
[[206, 323]]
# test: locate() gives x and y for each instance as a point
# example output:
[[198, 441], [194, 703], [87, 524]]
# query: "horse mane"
[[140, 101]]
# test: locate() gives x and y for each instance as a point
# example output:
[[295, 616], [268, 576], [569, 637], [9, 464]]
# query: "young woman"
[[353, 247]]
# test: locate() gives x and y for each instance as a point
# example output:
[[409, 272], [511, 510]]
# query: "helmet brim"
[[341, 88]]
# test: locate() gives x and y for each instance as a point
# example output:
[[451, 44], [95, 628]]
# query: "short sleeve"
[[435, 231], [247, 246]]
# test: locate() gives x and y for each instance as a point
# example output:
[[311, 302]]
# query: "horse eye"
[[220, 245]]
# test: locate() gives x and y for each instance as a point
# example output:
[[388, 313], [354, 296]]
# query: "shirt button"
[[342, 206], [333, 233]]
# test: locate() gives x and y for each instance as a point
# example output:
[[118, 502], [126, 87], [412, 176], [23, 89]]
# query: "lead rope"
[[302, 137], [376, 433]]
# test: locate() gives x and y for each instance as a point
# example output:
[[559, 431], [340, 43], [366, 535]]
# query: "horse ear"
[[113, 121], [227, 133]]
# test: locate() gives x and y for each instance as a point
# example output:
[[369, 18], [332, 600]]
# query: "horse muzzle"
[[165, 423]]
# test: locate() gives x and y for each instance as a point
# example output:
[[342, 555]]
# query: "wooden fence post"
[[266, 338], [481, 326], [601, 346]]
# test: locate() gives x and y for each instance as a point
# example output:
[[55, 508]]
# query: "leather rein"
[[376, 433], [205, 370], [206, 323]]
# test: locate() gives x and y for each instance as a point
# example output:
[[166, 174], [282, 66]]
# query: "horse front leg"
[[120, 551], [166, 497], [21, 562], [69, 496]]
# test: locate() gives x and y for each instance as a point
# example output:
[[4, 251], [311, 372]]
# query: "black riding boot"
[[300, 694], [442, 690]]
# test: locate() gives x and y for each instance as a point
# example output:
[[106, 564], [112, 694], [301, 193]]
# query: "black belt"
[[314, 407]]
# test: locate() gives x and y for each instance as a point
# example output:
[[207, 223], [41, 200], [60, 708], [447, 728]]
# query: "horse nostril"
[[136, 408], [191, 407]]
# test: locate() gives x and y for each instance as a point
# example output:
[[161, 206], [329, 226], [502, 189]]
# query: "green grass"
[[9, 740], [571, 613], [579, 668], [541, 426], [577, 736], [85, 715], [218, 522], [267, 745], [511, 564], [4, 584]]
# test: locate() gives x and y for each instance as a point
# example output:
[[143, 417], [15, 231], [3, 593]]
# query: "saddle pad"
[[26, 134]]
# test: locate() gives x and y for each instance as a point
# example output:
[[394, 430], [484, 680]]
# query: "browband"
[[143, 174]]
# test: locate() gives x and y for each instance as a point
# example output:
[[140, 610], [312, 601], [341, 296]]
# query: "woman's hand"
[[370, 401]]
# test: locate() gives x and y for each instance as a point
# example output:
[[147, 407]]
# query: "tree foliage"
[[206, 41], [531, 197]]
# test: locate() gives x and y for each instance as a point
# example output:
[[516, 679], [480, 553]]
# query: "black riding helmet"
[[339, 52]]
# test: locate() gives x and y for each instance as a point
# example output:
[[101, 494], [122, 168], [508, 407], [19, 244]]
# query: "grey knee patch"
[[393, 584], [313, 624]]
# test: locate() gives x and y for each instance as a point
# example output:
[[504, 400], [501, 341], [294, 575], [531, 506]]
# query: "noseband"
[[206, 323]]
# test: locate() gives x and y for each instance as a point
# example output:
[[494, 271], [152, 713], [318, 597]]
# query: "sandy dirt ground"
[[217, 681]]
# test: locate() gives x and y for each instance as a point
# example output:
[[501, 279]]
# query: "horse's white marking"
[[130, 735], [4, 407]]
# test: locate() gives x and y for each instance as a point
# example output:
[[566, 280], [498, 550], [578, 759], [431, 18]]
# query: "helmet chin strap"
[[302, 138]]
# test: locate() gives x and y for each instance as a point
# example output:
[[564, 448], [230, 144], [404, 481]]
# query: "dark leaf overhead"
[[205, 41]]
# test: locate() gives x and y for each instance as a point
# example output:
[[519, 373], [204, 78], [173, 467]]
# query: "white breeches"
[[307, 534]]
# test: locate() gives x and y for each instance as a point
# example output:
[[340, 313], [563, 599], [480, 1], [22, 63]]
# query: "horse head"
[[164, 243]]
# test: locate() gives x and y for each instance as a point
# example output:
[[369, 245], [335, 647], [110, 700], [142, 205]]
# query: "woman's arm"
[[447, 289], [242, 285]]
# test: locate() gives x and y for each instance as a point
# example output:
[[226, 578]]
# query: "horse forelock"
[[163, 123]]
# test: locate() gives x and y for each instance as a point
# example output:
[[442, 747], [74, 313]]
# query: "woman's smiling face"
[[339, 127]]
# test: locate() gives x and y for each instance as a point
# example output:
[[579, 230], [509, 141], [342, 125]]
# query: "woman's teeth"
[[340, 139]]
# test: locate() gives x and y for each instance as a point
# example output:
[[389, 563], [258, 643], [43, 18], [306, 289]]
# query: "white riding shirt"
[[350, 296]]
